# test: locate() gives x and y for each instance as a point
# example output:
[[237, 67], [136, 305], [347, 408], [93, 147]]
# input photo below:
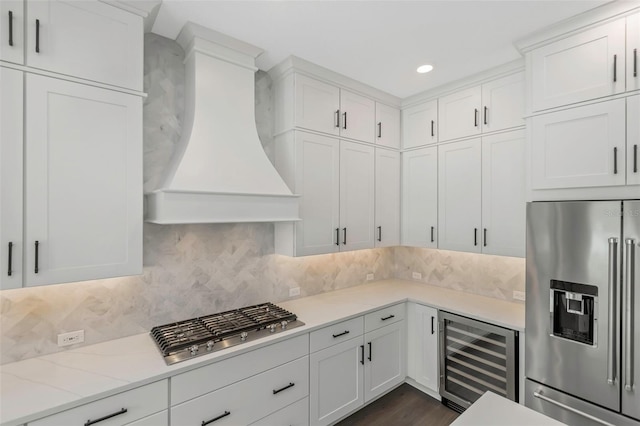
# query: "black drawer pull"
[[37, 250], [379, 233], [337, 236], [387, 318], [475, 236], [226, 413], [369, 351], [117, 413], [379, 129], [9, 271], [37, 36], [290, 385], [635, 62], [485, 237], [344, 239], [615, 160], [615, 68], [340, 334], [475, 117], [432, 131], [362, 354], [344, 120], [432, 228], [432, 325], [338, 118], [635, 158], [10, 28]]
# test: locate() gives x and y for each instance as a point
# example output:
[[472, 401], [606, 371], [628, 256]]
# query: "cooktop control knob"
[[283, 324], [272, 328], [210, 344], [193, 349], [243, 336]]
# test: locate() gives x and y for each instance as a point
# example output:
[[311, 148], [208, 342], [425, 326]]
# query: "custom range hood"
[[219, 172]]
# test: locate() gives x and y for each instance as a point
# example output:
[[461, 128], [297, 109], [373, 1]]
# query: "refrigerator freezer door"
[[577, 244], [630, 316]]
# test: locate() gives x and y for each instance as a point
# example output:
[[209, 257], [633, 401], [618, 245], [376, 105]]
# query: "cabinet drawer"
[[336, 333], [296, 414], [247, 400], [158, 419], [139, 402], [383, 317], [215, 376]]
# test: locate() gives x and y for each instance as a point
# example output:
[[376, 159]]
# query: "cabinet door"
[[296, 414], [387, 198], [318, 180], [420, 197], [357, 192], [420, 125], [317, 105], [422, 344], [387, 126], [633, 50], [87, 39], [11, 178], [336, 381], [579, 147], [503, 103], [12, 31], [384, 367], [633, 140], [503, 194], [83, 182], [358, 116], [585, 66], [459, 114], [459, 195]]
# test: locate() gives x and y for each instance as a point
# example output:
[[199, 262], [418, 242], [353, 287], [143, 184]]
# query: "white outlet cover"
[[294, 291], [71, 338], [519, 295], [369, 277], [416, 276]]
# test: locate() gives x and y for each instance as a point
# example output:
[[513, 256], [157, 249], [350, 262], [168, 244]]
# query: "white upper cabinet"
[[420, 197], [86, 39], [83, 188], [12, 31], [420, 125], [387, 126], [633, 50], [503, 103], [357, 116], [317, 105], [584, 66], [503, 194], [357, 192], [459, 196], [579, 147], [633, 140], [459, 114], [11, 108], [387, 197]]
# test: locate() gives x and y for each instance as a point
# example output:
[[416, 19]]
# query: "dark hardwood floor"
[[404, 406]]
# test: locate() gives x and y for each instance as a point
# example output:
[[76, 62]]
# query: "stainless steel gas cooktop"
[[188, 339]]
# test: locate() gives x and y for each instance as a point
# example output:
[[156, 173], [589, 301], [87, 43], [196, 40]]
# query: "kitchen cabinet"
[[460, 195], [579, 147], [583, 66], [317, 105], [83, 171], [503, 103], [420, 125], [420, 197], [296, 414], [385, 356], [387, 198], [357, 116], [459, 114], [90, 40], [633, 46], [12, 31], [633, 140], [387, 126], [422, 346], [11, 175]]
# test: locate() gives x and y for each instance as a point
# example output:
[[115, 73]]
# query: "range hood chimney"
[[219, 172]]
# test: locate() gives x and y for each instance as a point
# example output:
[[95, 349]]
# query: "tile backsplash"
[[192, 270]]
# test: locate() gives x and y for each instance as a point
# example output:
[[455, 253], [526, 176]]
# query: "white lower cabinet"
[[296, 414], [422, 346], [158, 419], [385, 355]]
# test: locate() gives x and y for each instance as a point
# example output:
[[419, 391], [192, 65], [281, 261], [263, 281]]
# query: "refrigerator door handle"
[[543, 397], [628, 314], [611, 339]]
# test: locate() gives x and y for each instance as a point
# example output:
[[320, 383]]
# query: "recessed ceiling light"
[[424, 68]]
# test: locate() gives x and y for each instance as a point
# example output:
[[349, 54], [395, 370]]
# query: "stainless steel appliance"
[[581, 363], [184, 340], [475, 357]]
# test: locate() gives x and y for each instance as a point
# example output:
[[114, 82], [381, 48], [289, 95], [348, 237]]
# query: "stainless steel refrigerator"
[[582, 362]]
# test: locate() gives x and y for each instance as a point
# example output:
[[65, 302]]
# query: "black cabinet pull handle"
[[475, 236], [344, 240], [290, 385], [379, 233], [9, 271], [338, 118], [344, 120], [485, 114], [475, 117], [117, 413], [635, 158], [432, 239], [484, 237], [37, 249], [635, 62], [432, 132], [433, 330], [37, 36], [340, 334], [387, 318], [225, 414], [615, 68], [380, 129], [615, 160], [337, 236], [369, 352], [10, 28], [362, 354]]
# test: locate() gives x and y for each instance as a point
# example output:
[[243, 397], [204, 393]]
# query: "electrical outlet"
[[294, 292], [369, 277], [71, 338], [519, 295], [416, 276]]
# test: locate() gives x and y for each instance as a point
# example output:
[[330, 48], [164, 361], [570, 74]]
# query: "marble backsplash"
[[192, 270]]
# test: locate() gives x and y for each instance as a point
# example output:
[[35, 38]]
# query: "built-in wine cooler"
[[476, 357]]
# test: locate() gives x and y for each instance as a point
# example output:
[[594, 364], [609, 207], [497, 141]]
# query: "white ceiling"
[[380, 43]]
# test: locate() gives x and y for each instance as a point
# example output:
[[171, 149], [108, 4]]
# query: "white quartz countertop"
[[493, 410], [38, 387]]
